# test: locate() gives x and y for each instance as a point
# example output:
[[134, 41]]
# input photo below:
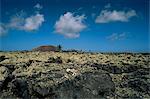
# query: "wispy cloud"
[[69, 25], [30, 23], [117, 36], [33, 22], [107, 16], [20, 21], [38, 6], [3, 30], [17, 21]]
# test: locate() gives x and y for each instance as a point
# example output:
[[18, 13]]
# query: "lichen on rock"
[[74, 75]]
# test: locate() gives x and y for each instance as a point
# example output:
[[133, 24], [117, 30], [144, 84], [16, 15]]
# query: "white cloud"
[[33, 22], [107, 16], [3, 31], [117, 36], [69, 25], [16, 22], [28, 24], [38, 6], [20, 21]]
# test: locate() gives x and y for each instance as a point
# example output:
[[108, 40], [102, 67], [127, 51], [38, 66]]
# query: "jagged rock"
[[139, 85], [10, 67], [54, 60], [69, 61], [6, 82], [112, 69], [140, 73], [42, 92], [109, 68], [130, 68], [87, 85], [138, 80], [2, 58], [29, 63], [85, 75], [19, 87], [4, 73]]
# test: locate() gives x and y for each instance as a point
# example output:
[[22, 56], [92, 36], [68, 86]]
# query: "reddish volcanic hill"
[[46, 48]]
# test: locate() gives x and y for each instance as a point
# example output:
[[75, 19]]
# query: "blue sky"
[[96, 25]]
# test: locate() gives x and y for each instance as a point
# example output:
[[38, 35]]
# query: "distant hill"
[[46, 48]]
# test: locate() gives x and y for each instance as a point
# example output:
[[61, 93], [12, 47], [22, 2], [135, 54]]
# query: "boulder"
[[88, 85], [42, 92], [19, 87]]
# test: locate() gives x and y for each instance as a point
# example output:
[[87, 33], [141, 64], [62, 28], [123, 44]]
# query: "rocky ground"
[[73, 75]]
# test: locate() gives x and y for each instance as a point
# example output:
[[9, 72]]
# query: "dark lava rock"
[[29, 63], [112, 69], [6, 76], [19, 88], [139, 85], [4, 73], [55, 60], [5, 83], [140, 73], [69, 61], [88, 85], [2, 58], [10, 67], [108, 68], [43, 92], [51, 60], [137, 80], [130, 68], [117, 70]]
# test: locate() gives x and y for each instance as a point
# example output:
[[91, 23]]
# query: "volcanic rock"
[[4, 73], [74, 75], [2, 58], [19, 88], [87, 85], [54, 60]]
